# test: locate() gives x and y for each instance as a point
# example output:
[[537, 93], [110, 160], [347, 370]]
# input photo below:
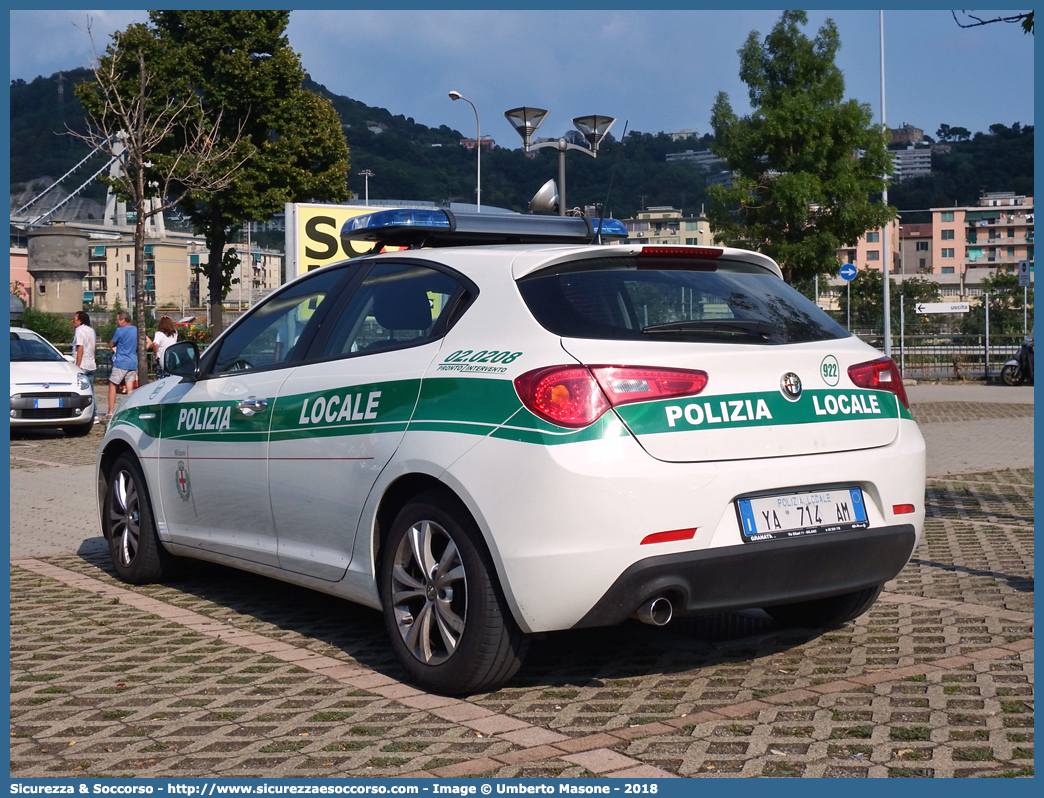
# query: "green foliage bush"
[[53, 326]]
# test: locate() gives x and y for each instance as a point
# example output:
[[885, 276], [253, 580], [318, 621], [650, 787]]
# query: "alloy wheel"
[[429, 592]]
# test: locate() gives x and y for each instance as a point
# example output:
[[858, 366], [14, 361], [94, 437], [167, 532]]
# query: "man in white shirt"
[[85, 342]]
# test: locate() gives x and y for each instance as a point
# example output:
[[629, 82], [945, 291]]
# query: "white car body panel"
[[306, 491]]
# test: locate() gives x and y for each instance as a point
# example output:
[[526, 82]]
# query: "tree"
[[866, 310], [1025, 19], [807, 166], [1006, 307], [241, 64], [133, 119]]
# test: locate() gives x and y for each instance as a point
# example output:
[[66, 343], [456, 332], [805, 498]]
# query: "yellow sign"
[[313, 235]]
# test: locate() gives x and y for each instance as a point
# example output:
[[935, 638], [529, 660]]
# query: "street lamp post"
[[456, 95], [367, 174], [594, 128]]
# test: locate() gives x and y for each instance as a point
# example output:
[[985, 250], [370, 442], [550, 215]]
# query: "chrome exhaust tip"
[[656, 612]]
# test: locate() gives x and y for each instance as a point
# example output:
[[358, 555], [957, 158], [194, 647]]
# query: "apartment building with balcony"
[[995, 234], [663, 224], [170, 276], [912, 162]]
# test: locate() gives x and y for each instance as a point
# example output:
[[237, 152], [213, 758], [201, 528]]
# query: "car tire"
[[825, 612], [443, 607], [137, 554], [79, 431]]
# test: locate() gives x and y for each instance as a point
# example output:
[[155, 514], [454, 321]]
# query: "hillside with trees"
[[413, 161]]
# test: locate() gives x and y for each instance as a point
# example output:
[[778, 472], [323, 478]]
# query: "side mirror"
[[182, 359]]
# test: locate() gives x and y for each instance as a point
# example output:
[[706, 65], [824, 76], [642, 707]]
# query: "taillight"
[[625, 384], [565, 395], [575, 396], [882, 375]]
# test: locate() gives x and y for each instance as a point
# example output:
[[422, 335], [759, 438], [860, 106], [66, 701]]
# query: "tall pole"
[[887, 305], [561, 178], [456, 95], [367, 174]]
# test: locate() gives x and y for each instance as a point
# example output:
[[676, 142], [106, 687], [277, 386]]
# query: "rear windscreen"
[[619, 299]]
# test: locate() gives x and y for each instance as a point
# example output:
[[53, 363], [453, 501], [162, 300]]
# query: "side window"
[[268, 335], [396, 305]]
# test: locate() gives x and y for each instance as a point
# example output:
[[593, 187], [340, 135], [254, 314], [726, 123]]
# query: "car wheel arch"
[[112, 452], [405, 489]]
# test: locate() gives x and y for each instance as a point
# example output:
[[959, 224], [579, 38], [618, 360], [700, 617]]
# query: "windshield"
[[616, 298], [27, 347]]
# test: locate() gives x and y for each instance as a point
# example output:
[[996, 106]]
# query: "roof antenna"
[[597, 239]]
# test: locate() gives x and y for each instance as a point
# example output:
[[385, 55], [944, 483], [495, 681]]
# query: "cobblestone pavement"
[[223, 673]]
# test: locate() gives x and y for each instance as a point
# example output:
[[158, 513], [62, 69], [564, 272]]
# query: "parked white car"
[[489, 440], [46, 389]]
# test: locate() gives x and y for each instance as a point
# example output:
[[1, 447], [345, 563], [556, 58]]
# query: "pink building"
[[995, 234], [868, 251]]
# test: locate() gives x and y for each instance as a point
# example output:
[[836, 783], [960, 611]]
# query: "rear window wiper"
[[753, 327]]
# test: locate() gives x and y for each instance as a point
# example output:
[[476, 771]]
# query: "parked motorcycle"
[[1020, 369]]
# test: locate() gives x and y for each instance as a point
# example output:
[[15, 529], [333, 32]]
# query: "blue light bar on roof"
[[406, 227]]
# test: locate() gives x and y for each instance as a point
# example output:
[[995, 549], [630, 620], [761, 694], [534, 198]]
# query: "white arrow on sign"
[[943, 307]]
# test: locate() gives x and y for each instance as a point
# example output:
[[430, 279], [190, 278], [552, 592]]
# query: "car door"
[[215, 430], [338, 420]]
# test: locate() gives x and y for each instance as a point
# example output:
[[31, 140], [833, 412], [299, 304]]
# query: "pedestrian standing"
[[85, 343], [124, 345], [166, 334]]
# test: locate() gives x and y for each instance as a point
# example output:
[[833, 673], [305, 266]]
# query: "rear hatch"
[[779, 376]]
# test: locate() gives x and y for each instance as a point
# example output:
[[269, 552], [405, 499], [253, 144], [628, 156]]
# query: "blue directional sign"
[[848, 271]]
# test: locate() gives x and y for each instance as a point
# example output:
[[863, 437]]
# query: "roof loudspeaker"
[[546, 199]]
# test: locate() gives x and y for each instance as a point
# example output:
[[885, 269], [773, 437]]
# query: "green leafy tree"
[[861, 301], [247, 76], [1006, 307], [808, 166]]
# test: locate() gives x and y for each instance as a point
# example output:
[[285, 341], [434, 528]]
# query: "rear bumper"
[[759, 574]]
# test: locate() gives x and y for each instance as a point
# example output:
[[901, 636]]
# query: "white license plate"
[[807, 513], [45, 403]]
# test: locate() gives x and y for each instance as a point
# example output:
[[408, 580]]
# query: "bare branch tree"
[[134, 122], [1025, 19]]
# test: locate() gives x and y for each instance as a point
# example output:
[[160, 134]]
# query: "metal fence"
[[954, 357]]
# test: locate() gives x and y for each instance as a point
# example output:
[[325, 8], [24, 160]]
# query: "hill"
[[413, 161]]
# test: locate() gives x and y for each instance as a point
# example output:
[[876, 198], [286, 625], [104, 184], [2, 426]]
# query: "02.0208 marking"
[[483, 356]]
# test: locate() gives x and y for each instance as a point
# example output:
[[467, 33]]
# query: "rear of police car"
[[694, 435]]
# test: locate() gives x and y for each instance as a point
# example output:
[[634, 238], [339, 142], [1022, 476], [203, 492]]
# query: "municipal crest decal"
[[183, 481]]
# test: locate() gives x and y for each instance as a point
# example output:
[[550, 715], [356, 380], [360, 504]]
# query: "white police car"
[[522, 432]]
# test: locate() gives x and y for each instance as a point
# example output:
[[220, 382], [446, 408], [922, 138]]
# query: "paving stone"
[[222, 673]]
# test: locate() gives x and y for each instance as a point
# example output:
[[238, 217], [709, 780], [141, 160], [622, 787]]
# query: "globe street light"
[[456, 95], [594, 128]]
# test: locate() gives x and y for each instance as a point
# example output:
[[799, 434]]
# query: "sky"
[[655, 70]]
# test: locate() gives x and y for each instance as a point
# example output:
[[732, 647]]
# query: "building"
[[995, 234], [664, 224], [704, 158], [915, 249], [868, 251], [681, 135], [487, 143], [907, 134], [912, 162], [958, 249]]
